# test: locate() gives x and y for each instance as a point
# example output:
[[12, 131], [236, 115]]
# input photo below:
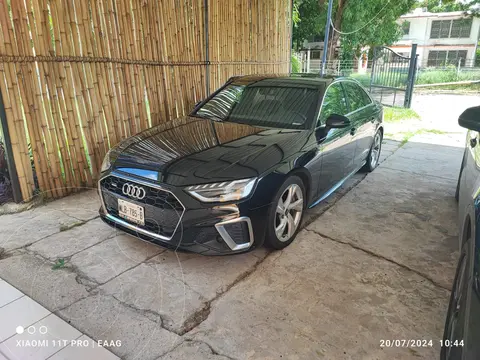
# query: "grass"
[[60, 263], [424, 76], [397, 114], [66, 227], [467, 88], [409, 134], [448, 74], [432, 131]]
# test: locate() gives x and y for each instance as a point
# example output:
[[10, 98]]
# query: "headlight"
[[222, 192], [106, 162]]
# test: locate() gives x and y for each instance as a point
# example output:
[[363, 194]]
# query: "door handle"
[[353, 131]]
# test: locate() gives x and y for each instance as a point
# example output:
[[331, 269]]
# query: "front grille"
[[163, 211], [155, 197]]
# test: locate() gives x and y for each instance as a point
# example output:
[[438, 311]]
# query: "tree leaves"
[[349, 15]]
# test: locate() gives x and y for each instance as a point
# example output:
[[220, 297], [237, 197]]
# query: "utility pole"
[[325, 40]]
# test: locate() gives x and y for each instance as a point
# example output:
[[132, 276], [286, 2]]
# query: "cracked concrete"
[[372, 262], [103, 317], [194, 350], [322, 299]]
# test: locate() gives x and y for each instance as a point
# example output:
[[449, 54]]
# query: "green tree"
[[369, 23], [374, 20], [308, 21], [436, 6]]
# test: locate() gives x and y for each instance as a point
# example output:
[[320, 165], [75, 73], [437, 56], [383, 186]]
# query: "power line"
[[364, 26]]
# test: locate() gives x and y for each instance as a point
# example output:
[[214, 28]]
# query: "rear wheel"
[[453, 330], [374, 154], [286, 213]]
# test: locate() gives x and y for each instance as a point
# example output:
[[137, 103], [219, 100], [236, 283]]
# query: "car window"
[[221, 104], [334, 102], [356, 96], [263, 103], [367, 100]]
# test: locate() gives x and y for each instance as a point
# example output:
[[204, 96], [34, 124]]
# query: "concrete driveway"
[[374, 262]]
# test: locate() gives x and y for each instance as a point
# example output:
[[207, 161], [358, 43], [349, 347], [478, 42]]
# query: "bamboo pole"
[[32, 97], [73, 110], [52, 102]]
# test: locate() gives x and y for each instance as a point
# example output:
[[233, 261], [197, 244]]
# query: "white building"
[[442, 38]]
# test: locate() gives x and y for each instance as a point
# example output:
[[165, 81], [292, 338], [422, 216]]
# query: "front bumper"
[[176, 220]]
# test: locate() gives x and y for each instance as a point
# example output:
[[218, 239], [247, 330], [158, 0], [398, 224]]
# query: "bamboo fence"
[[78, 76]]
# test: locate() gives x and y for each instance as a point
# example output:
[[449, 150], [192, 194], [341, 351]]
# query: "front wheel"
[[286, 213], [374, 154]]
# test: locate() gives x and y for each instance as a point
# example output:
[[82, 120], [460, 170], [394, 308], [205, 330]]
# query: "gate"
[[393, 76]]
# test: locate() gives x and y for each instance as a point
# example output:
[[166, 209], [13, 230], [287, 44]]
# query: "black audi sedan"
[[241, 169]]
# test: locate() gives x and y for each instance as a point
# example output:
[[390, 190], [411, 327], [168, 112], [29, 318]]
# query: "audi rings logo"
[[134, 191]]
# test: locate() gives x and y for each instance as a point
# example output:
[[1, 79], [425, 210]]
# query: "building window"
[[406, 28], [443, 57], [315, 54], [444, 29]]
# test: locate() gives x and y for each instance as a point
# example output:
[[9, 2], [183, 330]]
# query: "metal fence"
[[447, 71], [427, 73]]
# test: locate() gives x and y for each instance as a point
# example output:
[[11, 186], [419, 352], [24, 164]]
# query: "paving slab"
[[208, 276], [82, 206], [51, 330], [34, 276], [427, 159], [108, 259], [150, 288], [8, 293], [104, 318], [193, 350], [90, 351], [19, 230], [22, 312], [67, 243], [408, 218], [321, 299]]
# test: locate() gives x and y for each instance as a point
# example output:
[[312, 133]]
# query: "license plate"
[[131, 212]]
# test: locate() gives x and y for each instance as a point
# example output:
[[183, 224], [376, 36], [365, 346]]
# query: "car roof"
[[294, 80]]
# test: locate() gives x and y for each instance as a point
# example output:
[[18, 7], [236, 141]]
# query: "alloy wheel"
[[457, 304], [375, 153], [289, 212]]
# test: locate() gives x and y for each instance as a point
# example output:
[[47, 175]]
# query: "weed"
[[60, 263], [396, 114]]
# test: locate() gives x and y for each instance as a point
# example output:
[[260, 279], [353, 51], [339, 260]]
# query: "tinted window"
[[263, 105], [356, 96], [334, 102]]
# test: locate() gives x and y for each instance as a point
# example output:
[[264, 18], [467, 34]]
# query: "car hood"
[[191, 150]]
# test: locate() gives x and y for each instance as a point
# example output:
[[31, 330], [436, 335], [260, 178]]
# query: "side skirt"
[[336, 186]]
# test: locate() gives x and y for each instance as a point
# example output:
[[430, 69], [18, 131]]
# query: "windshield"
[[286, 107]]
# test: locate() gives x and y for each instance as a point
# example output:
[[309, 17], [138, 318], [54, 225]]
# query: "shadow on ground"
[[374, 261]]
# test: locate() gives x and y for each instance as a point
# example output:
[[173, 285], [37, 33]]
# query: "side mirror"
[[336, 121], [470, 118]]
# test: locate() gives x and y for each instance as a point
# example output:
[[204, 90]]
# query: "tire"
[[295, 212], [376, 148], [450, 353]]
